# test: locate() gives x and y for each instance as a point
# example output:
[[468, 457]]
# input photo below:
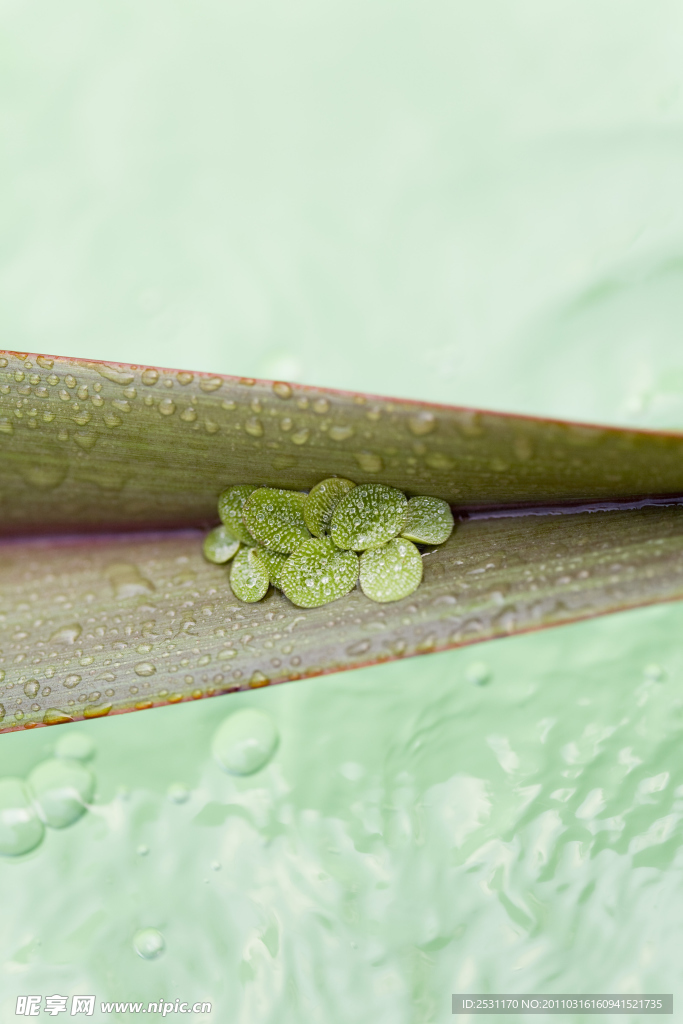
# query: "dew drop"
[[421, 423], [254, 427], [209, 384], [111, 420], [284, 461], [369, 462], [281, 389], [189, 415], [71, 681], [123, 377], [84, 440], [166, 406], [96, 710], [45, 363], [258, 679], [145, 668], [55, 716], [341, 433], [149, 377], [301, 436], [149, 943], [184, 378], [437, 460], [245, 741], [45, 472], [67, 634], [360, 647], [31, 687], [21, 830], [127, 581], [6, 426]]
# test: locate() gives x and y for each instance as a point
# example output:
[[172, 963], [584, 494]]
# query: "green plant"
[[109, 479]]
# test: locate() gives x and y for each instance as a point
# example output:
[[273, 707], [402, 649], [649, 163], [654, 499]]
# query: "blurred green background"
[[470, 203]]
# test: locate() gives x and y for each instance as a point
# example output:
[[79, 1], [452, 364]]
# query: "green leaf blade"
[[107, 604]]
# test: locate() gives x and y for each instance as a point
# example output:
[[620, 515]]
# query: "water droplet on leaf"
[[145, 668]]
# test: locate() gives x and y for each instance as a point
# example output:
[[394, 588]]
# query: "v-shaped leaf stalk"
[[122, 621]]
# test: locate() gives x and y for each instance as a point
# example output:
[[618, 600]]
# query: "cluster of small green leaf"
[[315, 547]]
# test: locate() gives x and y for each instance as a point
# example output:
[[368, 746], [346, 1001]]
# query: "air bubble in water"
[[62, 788], [245, 742], [148, 943], [75, 745], [478, 673], [178, 793], [21, 829]]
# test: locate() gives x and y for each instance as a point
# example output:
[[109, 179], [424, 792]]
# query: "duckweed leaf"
[[275, 517], [321, 503], [273, 562], [230, 508], [428, 520], [392, 572], [368, 516], [220, 545], [318, 572], [249, 576], [139, 455]]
